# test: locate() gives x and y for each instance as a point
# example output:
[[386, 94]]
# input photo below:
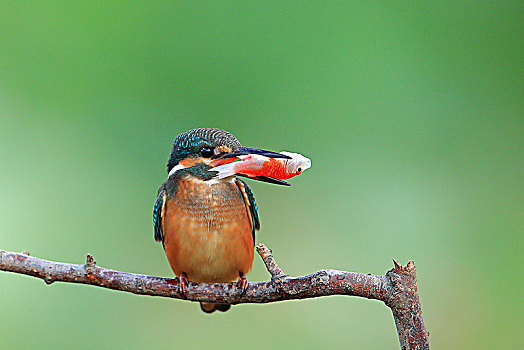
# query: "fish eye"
[[206, 152], [299, 170]]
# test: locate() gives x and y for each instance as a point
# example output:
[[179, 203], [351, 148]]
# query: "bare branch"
[[397, 289], [271, 265], [405, 305]]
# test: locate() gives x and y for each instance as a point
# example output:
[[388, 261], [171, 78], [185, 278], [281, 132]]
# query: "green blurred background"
[[412, 114]]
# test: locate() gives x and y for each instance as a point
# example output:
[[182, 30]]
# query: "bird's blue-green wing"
[[158, 215], [247, 194]]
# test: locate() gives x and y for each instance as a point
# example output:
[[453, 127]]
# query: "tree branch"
[[397, 289]]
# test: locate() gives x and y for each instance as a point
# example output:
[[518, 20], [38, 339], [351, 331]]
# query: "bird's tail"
[[212, 307]]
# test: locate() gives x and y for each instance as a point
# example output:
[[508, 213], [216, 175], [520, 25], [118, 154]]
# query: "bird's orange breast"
[[208, 231]]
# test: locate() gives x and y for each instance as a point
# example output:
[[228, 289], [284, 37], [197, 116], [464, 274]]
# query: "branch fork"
[[277, 275]]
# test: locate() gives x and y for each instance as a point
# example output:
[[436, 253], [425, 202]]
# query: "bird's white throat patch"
[[175, 169]]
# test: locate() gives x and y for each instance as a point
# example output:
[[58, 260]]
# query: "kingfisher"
[[207, 225]]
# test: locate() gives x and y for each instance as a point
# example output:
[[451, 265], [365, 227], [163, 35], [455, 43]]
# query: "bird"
[[207, 225]]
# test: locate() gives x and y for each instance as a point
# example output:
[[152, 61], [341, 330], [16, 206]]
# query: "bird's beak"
[[267, 179], [248, 150], [242, 151]]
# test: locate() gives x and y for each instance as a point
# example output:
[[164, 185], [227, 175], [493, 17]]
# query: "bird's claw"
[[182, 284], [242, 284]]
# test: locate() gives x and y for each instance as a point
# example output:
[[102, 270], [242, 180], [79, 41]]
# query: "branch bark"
[[397, 289]]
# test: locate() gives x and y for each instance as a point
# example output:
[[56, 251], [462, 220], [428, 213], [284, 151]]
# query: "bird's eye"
[[299, 170], [206, 152]]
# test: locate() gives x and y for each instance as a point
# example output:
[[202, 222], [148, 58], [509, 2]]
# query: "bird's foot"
[[242, 283], [183, 282]]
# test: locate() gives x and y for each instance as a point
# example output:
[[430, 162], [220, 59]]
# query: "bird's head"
[[200, 146], [204, 145]]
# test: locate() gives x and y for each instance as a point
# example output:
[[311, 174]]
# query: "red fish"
[[255, 165]]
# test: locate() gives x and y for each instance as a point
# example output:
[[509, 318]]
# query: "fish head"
[[297, 163]]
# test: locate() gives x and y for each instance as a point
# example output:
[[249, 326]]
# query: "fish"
[[260, 166]]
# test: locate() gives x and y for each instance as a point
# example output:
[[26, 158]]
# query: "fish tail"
[[225, 170]]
